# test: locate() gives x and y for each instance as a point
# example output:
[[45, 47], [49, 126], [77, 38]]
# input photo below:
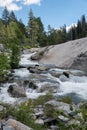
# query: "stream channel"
[[46, 78]]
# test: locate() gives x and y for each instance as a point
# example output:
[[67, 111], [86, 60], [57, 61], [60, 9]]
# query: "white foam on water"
[[5, 97], [33, 94], [22, 72], [25, 60], [79, 88]]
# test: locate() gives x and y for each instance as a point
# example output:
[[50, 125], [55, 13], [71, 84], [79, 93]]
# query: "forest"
[[34, 34], [15, 36]]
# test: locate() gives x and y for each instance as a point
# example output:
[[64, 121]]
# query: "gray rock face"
[[16, 91], [72, 54], [80, 62]]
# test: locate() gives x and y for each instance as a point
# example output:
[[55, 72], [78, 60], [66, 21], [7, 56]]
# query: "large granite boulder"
[[72, 54]]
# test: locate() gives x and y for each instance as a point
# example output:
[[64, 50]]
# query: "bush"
[[4, 66], [43, 99], [66, 99], [15, 56]]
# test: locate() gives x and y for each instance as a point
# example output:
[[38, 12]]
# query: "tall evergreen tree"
[[12, 16], [5, 16], [41, 35], [79, 29], [84, 26], [32, 29]]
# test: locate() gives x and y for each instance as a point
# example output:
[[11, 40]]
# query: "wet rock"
[[66, 74], [55, 73], [16, 125], [39, 68], [34, 70], [63, 78], [16, 91], [32, 85], [52, 87], [38, 55], [39, 122]]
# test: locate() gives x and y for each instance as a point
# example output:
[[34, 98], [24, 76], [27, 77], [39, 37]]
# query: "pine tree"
[[41, 35], [12, 16], [32, 29], [79, 29], [84, 26], [5, 16]]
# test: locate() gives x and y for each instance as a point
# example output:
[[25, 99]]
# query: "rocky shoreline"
[[48, 111]]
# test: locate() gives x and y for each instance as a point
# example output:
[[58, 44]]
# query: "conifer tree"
[[12, 16], [5, 16]]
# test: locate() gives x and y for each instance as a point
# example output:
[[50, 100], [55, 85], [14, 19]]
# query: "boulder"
[[39, 122], [39, 68], [16, 125], [48, 86], [16, 91], [32, 85], [60, 106], [72, 54], [73, 122], [39, 54], [66, 74], [63, 118], [56, 74], [50, 121], [54, 127], [63, 78]]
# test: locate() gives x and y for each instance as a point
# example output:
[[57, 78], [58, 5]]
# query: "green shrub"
[[4, 66], [43, 99], [50, 111], [15, 56], [66, 99]]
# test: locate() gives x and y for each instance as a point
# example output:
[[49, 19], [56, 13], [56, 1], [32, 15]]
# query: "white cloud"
[[29, 2], [10, 4], [14, 4], [13, 7], [69, 27]]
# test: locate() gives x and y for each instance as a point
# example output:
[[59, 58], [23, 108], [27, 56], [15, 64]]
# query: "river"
[[75, 85]]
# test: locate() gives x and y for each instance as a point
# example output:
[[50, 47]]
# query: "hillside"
[[72, 54]]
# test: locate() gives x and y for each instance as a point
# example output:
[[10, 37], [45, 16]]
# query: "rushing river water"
[[75, 85]]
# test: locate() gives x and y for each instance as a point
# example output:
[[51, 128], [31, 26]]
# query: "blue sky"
[[52, 12]]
